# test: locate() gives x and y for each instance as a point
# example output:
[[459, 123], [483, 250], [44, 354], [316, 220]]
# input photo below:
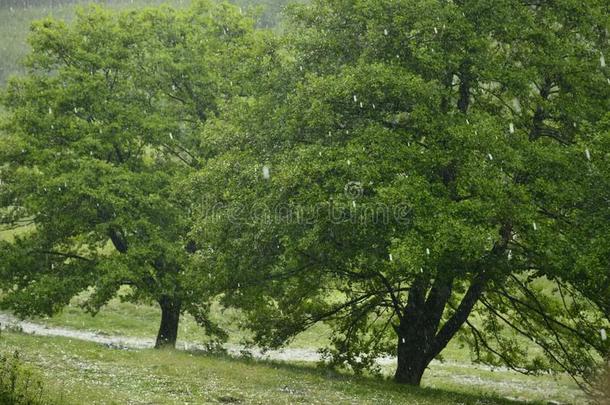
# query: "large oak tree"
[[96, 138], [416, 170]]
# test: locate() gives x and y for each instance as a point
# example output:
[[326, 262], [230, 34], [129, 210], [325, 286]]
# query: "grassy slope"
[[88, 373], [456, 374]]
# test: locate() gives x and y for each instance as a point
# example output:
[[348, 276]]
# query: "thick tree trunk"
[[170, 317], [420, 334], [411, 361]]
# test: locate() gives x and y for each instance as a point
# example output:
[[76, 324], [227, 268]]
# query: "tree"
[[98, 135], [420, 170]]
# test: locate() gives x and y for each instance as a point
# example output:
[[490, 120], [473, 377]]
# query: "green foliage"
[[100, 133], [16, 16], [474, 133], [18, 386]]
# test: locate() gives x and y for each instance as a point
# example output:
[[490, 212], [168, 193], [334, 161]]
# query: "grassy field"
[[455, 374], [81, 372]]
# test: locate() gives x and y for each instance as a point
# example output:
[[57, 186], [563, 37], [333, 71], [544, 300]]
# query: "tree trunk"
[[170, 317], [411, 361], [421, 337]]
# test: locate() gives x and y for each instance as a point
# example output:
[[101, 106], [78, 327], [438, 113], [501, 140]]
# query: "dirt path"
[[286, 354], [10, 322]]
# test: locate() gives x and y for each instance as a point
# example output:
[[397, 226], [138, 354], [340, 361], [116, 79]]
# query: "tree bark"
[[170, 317], [411, 361], [420, 334]]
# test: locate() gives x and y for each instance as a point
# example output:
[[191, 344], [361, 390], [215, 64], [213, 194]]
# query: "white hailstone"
[[354, 203], [301, 68], [603, 334], [361, 105], [52, 266], [535, 226], [404, 341], [374, 106], [511, 128], [266, 173], [391, 258], [517, 105], [171, 136], [320, 153], [490, 156], [385, 32], [428, 251], [355, 98], [467, 121], [421, 269], [173, 87], [52, 126], [50, 111], [435, 30], [75, 110], [602, 60], [588, 154], [349, 162], [330, 133]]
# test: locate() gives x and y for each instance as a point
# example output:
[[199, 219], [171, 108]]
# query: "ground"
[[125, 324], [84, 372]]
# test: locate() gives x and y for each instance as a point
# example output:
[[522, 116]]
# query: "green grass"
[[83, 372], [456, 374]]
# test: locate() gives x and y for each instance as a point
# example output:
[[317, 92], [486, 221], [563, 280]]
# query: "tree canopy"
[[100, 133], [417, 170]]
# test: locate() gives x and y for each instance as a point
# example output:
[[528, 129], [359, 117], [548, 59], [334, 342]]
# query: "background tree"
[[98, 135], [472, 132]]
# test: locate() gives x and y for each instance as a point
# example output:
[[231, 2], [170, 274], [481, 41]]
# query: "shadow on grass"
[[364, 383]]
